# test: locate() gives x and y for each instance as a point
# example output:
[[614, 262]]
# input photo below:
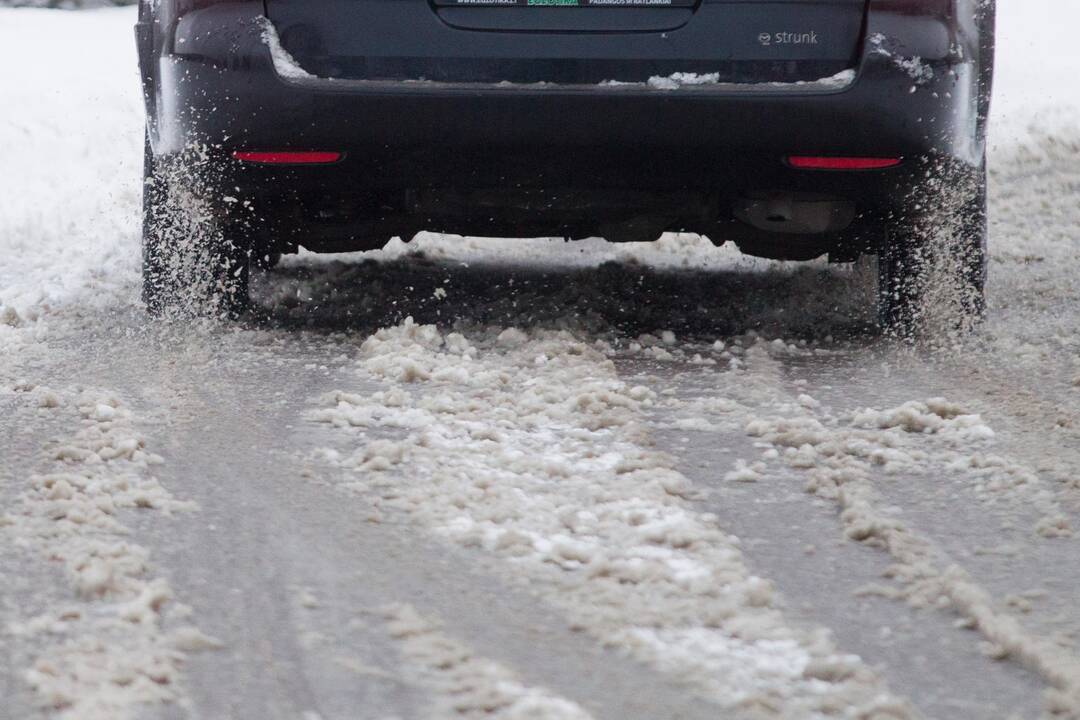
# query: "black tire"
[[932, 265], [191, 265], [899, 284], [154, 266], [230, 271]]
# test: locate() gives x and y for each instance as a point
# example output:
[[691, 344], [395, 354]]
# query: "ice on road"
[[472, 478]]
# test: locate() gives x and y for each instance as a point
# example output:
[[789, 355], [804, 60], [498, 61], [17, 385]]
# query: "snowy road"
[[526, 479]]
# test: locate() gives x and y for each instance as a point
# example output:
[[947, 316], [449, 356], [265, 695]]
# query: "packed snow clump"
[[917, 69], [680, 80], [284, 63], [936, 416]]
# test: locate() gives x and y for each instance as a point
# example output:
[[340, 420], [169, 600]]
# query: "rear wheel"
[[932, 263], [194, 263]]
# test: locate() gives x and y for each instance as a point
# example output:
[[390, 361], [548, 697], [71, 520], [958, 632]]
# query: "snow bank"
[[72, 138], [1037, 66]]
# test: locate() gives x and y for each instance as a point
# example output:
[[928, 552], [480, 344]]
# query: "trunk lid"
[[566, 15], [571, 42]]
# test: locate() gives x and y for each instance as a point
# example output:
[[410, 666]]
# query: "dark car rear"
[[795, 128]]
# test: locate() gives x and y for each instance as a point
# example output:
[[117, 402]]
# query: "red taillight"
[[287, 157], [811, 162]]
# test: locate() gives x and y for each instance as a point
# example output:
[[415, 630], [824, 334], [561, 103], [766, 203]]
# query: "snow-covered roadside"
[[1034, 157], [528, 447], [70, 185], [1035, 86], [1033, 329], [118, 640]]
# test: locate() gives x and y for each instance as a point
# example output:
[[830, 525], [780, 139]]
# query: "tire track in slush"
[[113, 640], [229, 412], [1005, 507], [529, 447], [801, 445]]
